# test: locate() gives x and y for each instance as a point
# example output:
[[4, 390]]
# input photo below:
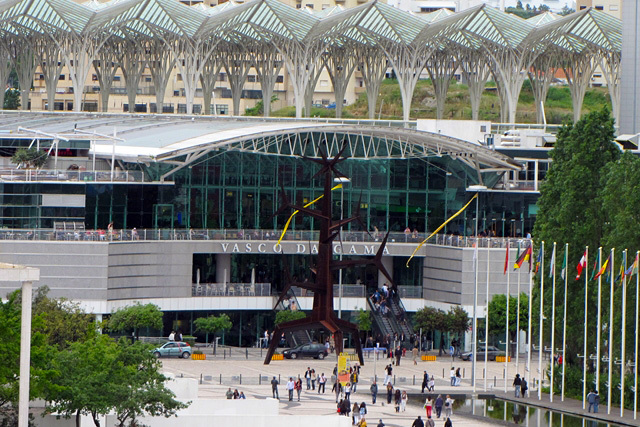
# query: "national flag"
[[633, 268], [563, 271], [604, 268], [538, 260], [525, 256], [620, 275], [582, 264], [506, 259], [594, 270], [552, 263]]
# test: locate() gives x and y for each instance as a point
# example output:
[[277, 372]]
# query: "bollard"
[[394, 380], [279, 379], [494, 381], [259, 379], [464, 370], [442, 372], [246, 353], [414, 380], [224, 354], [220, 379], [504, 374], [240, 379], [200, 378], [483, 373]]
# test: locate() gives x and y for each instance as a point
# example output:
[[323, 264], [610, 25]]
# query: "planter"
[[198, 357], [429, 358], [277, 357]]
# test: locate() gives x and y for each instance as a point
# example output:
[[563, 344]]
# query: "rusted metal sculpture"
[[323, 315]]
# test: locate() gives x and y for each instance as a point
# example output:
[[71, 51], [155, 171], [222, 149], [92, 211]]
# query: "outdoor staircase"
[[395, 322]]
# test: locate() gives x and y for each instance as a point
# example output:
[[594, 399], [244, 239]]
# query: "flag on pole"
[[506, 259], [605, 267], [582, 264], [633, 268], [594, 270], [525, 256], [552, 263], [538, 260], [621, 275], [563, 271]]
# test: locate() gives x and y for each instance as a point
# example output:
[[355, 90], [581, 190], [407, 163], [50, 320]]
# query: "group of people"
[[455, 376], [358, 411], [428, 382], [175, 336], [294, 385], [235, 394], [520, 386]]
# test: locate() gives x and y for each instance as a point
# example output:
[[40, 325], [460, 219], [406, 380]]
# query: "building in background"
[[630, 102]]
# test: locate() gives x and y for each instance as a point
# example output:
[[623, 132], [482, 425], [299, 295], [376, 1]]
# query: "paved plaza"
[[244, 370]]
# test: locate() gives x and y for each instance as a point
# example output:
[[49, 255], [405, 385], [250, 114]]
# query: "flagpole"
[[564, 320], [518, 321], [586, 307], [610, 343], [599, 321], [541, 348], [553, 320], [635, 346], [623, 351], [529, 328], [486, 320], [507, 348]]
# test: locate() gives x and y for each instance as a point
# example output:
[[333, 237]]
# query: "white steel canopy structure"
[[264, 34]]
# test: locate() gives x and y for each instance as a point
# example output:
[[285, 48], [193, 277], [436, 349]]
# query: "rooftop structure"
[[266, 34]]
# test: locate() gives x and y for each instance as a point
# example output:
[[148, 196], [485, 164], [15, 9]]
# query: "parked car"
[[315, 350], [492, 353], [173, 349]]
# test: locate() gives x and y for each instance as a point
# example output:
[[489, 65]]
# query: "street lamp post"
[[474, 326], [341, 180]]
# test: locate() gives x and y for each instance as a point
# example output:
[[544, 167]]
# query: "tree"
[[134, 317], [11, 99], [566, 10], [288, 315], [458, 320], [430, 320], [363, 320], [570, 209], [213, 324], [99, 376], [29, 158], [64, 322], [498, 314]]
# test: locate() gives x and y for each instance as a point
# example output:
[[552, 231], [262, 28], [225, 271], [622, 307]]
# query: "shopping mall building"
[[191, 203]]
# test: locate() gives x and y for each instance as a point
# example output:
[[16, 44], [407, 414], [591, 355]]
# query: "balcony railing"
[[231, 289], [162, 234], [35, 175], [351, 291]]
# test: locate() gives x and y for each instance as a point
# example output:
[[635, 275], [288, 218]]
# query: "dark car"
[[315, 350], [492, 353], [173, 349]]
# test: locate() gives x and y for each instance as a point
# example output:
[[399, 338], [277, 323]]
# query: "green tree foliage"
[[99, 376], [212, 325], [63, 322], [363, 320], [458, 320], [571, 211], [498, 315], [288, 315], [12, 99], [258, 110], [566, 10], [134, 317], [431, 319], [29, 158], [10, 315]]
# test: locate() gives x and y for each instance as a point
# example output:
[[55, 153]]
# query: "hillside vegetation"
[[389, 105]]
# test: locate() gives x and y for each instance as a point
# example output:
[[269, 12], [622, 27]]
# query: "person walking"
[[354, 380], [398, 399], [398, 355], [307, 377], [298, 387], [363, 411], [380, 423], [274, 388], [374, 392], [448, 423], [425, 381], [321, 383], [458, 377], [313, 379], [414, 353], [418, 422], [428, 405], [387, 376], [389, 393], [438, 404], [448, 407], [347, 391], [432, 384], [403, 402], [430, 422], [517, 385], [452, 375], [337, 389], [524, 387], [229, 394], [591, 398], [291, 385], [355, 413]]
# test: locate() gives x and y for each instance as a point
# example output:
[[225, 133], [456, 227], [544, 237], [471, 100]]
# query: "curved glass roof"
[[268, 20]]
